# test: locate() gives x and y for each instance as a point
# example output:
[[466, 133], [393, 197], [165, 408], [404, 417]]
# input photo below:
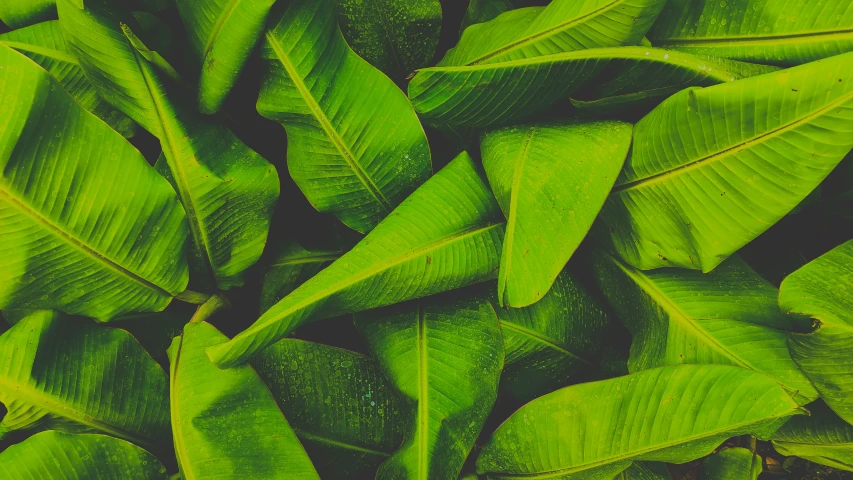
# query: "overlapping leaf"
[[787, 32], [395, 36], [445, 354], [222, 33], [821, 291], [226, 424], [550, 181], [598, 79], [645, 471], [21, 13], [227, 190], [63, 456], [355, 146], [712, 168], [340, 405], [822, 437], [86, 226], [74, 375], [727, 317], [732, 464], [446, 235], [292, 266], [673, 414]]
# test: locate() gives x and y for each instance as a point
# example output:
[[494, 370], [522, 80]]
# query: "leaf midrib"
[[771, 38], [744, 145], [337, 443], [422, 428], [217, 27], [307, 259], [509, 235], [635, 454], [542, 340], [177, 432], [70, 239], [324, 122], [537, 36], [43, 51]]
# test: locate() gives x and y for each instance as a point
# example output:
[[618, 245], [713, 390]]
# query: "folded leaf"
[[598, 79], [340, 405], [227, 190], [550, 181], [44, 44], [645, 471], [672, 414], [75, 375], [732, 464], [727, 317], [291, 267], [222, 34], [821, 291], [86, 226], [445, 236], [445, 355], [355, 146], [21, 13], [822, 438], [712, 168], [395, 36], [63, 456], [562, 26], [226, 423], [763, 31]]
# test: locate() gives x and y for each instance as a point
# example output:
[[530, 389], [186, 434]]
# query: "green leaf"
[[763, 31], [645, 471], [732, 464], [445, 355], [822, 438], [226, 423], [355, 146], [712, 168], [562, 26], [551, 343], [550, 181], [222, 34], [44, 44], [727, 317], [114, 243], [63, 456], [227, 190], [672, 414], [21, 13], [340, 405], [445, 236], [75, 375], [481, 11], [821, 290], [292, 266], [395, 36], [598, 79]]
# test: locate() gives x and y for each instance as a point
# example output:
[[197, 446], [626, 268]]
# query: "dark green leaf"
[[822, 438], [732, 464]]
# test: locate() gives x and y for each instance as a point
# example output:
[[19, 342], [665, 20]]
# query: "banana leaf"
[[822, 438], [732, 464], [292, 266], [22, 13], [645, 471]]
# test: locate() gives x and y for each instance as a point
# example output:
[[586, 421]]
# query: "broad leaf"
[[712, 168], [63, 456], [114, 242], [645, 471], [551, 343], [480, 11], [75, 375], [222, 34], [599, 80], [227, 190], [822, 438], [550, 181], [445, 355], [728, 317], [821, 290], [762, 31], [732, 464], [21, 13], [340, 405], [226, 423], [355, 146], [44, 44], [672, 414], [292, 266], [562, 26], [395, 36], [444, 236]]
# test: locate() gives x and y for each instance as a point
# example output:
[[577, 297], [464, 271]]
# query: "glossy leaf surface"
[[822, 437], [446, 235]]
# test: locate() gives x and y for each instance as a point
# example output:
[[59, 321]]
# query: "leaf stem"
[[753, 444], [195, 298], [212, 306]]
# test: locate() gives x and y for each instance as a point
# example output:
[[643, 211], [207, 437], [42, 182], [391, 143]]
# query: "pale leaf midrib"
[[337, 443], [43, 51], [728, 41], [217, 27], [422, 428], [326, 125], [535, 37], [177, 432], [509, 235], [69, 238], [307, 259], [539, 338], [197, 231], [629, 455], [725, 153]]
